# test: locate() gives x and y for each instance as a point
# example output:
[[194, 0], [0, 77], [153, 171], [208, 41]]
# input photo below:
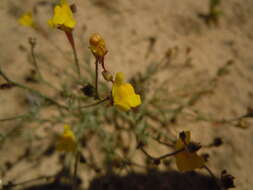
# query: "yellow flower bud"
[[26, 20], [95, 39], [97, 45]]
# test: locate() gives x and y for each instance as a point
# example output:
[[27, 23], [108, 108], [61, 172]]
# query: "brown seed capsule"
[[182, 136], [157, 161], [193, 147], [73, 8], [217, 142], [205, 156], [107, 76], [88, 90], [227, 180]]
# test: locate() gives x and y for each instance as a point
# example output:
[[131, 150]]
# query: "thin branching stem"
[[163, 156], [32, 43], [213, 176], [11, 185], [70, 37], [163, 143], [13, 118], [4, 76], [96, 79], [77, 158], [77, 62], [19, 85], [96, 103]]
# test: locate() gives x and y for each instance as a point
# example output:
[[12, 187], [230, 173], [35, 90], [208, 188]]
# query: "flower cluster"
[[122, 94]]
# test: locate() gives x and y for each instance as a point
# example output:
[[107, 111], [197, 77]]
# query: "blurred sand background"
[[127, 27]]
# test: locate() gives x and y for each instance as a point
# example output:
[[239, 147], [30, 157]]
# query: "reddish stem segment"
[[70, 37]]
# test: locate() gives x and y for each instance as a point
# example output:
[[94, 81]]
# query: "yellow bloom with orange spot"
[[26, 20], [63, 16], [124, 96], [185, 160], [67, 141]]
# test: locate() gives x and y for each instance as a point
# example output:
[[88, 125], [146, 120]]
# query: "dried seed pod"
[[88, 90], [227, 180], [107, 76]]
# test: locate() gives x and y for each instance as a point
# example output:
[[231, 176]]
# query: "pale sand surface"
[[127, 26]]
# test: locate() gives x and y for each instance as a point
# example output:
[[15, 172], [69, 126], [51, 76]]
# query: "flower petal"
[[63, 16], [180, 144], [26, 20], [67, 141], [189, 161]]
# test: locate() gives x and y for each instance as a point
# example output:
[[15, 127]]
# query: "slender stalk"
[[96, 103], [209, 171], [28, 181], [171, 154], [70, 37], [103, 63], [96, 79], [163, 143], [32, 43], [19, 85], [77, 158], [4, 76], [213, 176], [77, 62], [163, 156], [13, 118]]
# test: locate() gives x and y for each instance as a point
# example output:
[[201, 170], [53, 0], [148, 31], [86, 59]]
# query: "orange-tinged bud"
[[95, 39], [97, 46]]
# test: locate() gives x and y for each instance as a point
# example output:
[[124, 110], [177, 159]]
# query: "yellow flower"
[[67, 141], [26, 20], [185, 160], [97, 45], [123, 94], [63, 16]]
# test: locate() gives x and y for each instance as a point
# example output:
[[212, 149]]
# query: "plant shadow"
[[153, 180]]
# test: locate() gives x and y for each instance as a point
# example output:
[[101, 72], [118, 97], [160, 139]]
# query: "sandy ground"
[[127, 27]]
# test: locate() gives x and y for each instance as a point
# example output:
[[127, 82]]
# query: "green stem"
[[4, 76], [96, 103], [13, 118], [34, 60], [19, 85], [77, 158]]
